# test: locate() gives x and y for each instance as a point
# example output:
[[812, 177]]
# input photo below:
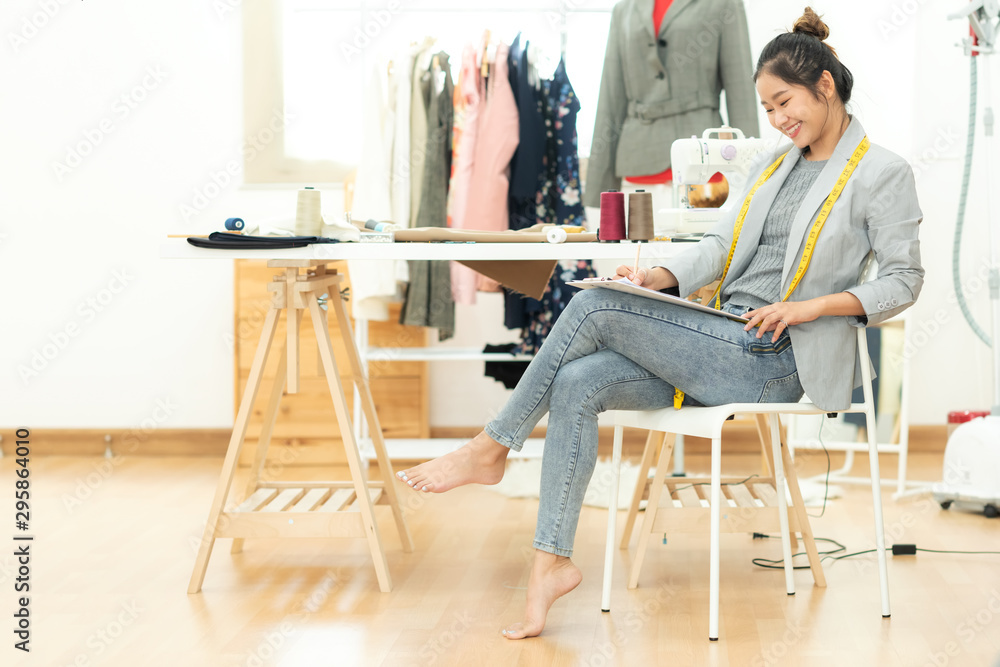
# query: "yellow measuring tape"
[[810, 246]]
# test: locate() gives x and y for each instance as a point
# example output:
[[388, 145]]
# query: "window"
[[307, 63]]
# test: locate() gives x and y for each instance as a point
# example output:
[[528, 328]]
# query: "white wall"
[[162, 336]]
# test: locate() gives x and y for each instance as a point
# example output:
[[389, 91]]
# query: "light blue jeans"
[[615, 351]]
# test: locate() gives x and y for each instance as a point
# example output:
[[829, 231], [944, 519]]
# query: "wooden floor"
[[115, 543]]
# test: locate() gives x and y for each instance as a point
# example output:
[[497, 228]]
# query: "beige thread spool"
[[640, 216], [308, 215]]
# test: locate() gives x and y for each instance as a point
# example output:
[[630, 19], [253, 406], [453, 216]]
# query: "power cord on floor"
[[826, 482], [897, 550]]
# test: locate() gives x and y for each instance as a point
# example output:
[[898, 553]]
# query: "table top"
[[181, 249]]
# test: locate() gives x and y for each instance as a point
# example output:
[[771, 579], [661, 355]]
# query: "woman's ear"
[[826, 85]]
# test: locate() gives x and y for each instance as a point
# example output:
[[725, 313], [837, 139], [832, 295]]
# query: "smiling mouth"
[[794, 129]]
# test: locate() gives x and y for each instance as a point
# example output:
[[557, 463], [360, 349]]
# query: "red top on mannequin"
[[660, 8]]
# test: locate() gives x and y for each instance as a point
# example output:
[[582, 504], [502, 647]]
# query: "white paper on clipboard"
[[626, 285]]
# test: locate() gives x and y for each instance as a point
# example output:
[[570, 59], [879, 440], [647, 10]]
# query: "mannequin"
[[663, 83]]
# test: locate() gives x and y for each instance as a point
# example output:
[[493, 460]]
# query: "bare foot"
[[551, 578], [482, 460]]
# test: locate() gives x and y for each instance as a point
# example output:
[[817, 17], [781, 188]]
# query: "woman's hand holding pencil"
[[656, 278]]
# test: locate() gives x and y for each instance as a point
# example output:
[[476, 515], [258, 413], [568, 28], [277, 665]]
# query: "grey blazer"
[[659, 88], [877, 211]]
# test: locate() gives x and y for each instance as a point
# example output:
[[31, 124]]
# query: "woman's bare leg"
[[482, 460], [551, 578]]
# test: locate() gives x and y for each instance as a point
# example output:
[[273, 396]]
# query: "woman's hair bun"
[[811, 24]]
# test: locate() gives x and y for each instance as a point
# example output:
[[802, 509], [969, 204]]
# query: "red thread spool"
[[612, 227]]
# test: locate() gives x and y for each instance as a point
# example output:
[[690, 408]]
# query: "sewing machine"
[[694, 161]]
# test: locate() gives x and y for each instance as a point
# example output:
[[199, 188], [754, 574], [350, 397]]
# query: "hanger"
[[533, 54], [484, 68]]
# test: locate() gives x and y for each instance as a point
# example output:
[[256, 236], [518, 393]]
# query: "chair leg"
[[764, 434], [649, 518], [654, 443], [883, 568], [780, 488], [805, 528], [713, 569], [767, 461], [616, 466]]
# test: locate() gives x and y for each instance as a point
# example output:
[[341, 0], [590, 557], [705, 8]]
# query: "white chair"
[[707, 422]]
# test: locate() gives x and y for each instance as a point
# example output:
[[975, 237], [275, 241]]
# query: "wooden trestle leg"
[[304, 509]]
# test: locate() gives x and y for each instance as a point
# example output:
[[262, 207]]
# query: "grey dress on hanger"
[[429, 301]]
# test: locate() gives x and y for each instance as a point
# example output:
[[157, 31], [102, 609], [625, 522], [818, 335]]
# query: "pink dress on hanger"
[[468, 97], [496, 140]]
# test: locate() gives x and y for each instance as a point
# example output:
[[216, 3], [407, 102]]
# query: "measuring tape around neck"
[[811, 239]]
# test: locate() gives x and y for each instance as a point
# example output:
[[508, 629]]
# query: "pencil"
[[635, 264]]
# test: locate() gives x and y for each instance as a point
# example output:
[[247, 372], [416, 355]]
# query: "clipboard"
[[626, 285]]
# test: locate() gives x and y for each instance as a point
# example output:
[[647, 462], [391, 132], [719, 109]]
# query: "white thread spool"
[[555, 235], [308, 215]]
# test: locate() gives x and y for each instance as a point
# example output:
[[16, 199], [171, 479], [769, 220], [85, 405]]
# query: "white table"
[[430, 448]]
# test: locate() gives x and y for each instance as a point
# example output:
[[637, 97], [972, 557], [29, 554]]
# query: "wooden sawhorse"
[[304, 509]]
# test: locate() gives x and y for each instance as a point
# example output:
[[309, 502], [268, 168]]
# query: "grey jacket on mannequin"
[[659, 88], [876, 212]]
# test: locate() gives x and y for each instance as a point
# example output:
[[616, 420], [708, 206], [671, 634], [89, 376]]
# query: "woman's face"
[[794, 110]]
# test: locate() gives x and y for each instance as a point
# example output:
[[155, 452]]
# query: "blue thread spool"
[[234, 224]]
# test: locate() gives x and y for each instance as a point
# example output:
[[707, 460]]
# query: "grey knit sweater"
[[760, 283]]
